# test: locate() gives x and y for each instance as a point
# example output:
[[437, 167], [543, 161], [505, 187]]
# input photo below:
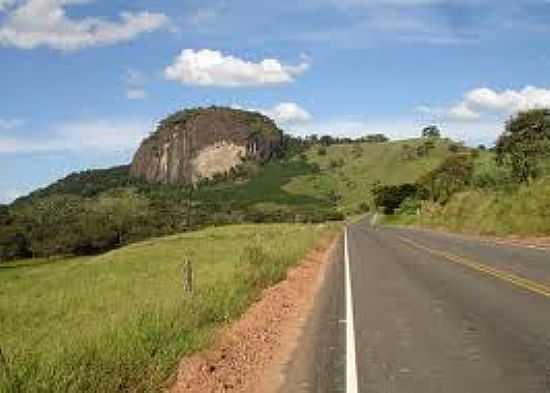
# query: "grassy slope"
[[295, 184], [353, 181], [120, 321], [513, 210]]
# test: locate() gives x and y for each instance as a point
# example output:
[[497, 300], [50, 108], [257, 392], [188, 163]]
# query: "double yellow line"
[[513, 279]]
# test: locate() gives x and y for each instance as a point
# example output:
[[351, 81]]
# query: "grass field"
[[120, 321]]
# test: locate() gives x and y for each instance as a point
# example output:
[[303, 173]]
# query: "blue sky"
[[84, 80]]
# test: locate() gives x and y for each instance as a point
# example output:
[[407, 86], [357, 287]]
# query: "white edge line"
[[351, 361]]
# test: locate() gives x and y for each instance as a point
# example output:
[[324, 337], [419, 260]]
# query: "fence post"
[[188, 277]]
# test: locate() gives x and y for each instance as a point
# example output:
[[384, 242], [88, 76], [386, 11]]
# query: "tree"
[[453, 175], [374, 138], [390, 197], [524, 143], [431, 132], [326, 140]]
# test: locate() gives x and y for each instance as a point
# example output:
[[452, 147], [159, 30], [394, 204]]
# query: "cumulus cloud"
[[287, 113], [33, 23], [93, 135], [481, 101], [508, 101], [213, 68], [284, 114], [463, 112]]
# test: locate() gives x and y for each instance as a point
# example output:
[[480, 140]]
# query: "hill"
[[505, 191], [493, 204], [194, 144], [94, 211]]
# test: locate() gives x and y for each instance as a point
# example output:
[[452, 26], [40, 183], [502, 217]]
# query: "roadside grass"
[[523, 211], [119, 322]]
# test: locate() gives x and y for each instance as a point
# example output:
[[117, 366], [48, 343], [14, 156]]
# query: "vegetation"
[[525, 141], [120, 322], [390, 198], [95, 211], [500, 191], [431, 132]]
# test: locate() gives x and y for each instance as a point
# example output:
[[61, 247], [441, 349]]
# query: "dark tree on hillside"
[[431, 132], [524, 143], [326, 140], [375, 138]]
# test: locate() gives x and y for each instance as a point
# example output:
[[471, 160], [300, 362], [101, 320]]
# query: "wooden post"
[[188, 277]]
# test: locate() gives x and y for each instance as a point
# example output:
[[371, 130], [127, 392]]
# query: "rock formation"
[[200, 143]]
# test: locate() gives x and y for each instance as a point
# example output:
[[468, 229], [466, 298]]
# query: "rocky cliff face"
[[200, 143]]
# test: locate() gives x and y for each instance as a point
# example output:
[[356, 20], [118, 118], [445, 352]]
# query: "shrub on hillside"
[[389, 198]]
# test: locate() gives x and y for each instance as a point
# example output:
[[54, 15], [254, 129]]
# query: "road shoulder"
[[251, 354]]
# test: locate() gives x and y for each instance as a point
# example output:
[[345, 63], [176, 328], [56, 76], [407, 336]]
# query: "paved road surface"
[[436, 313]]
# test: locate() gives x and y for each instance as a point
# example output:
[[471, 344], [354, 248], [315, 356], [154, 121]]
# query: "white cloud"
[[33, 23], [463, 112], [480, 102], [508, 101], [94, 135], [212, 68], [9, 124], [136, 94], [285, 114]]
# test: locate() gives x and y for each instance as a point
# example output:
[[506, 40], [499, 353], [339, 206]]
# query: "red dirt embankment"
[[249, 356]]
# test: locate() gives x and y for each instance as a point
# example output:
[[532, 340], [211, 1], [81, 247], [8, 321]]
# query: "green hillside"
[[98, 210]]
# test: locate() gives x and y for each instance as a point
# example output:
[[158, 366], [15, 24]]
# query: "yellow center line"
[[518, 281]]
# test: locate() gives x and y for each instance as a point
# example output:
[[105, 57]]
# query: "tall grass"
[[522, 211], [120, 322]]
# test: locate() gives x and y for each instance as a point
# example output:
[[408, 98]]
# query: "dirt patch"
[[250, 355], [529, 242]]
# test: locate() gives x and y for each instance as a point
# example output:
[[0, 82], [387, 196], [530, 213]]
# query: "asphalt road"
[[432, 313]]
